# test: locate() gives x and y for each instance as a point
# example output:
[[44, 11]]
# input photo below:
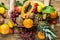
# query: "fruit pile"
[[30, 16], [31, 19], [5, 24]]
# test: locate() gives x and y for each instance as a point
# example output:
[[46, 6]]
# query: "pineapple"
[[37, 18]]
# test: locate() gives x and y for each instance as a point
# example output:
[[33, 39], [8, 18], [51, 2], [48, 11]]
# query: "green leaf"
[[24, 1], [3, 5], [18, 3], [48, 9]]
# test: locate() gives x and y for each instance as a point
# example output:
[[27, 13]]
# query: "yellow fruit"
[[2, 10], [40, 35], [40, 4], [39, 8], [54, 15], [10, 23], [44, 16], [19, 8], [28, 10], [4, 29], [28, 23]]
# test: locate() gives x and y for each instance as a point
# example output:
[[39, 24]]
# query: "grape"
[[16, 14], [15, 11], [14, 20], [12, 16], [22, 36], [28, 35]]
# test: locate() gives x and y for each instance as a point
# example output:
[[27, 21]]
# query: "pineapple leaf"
[[44, 27], [49, 31]]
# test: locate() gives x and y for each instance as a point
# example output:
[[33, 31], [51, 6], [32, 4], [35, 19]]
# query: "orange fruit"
[[40, 35], [4, 29], [10, 24], [54, 15], [28, 23]]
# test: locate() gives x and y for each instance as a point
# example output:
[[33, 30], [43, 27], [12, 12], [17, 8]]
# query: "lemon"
[[2, 10], [10, 24], [4, 29]]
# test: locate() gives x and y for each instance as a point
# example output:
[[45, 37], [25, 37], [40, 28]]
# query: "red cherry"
[[54, 21]]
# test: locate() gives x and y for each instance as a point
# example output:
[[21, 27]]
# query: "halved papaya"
[[27, 9]]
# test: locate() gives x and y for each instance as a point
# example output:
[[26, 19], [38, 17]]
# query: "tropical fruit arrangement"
[[31, 19]]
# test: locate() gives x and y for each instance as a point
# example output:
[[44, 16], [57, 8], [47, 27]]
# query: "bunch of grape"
[[27, 35], [13, 16]]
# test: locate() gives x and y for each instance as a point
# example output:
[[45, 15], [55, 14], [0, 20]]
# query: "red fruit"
[[16, 9], [11, 31], [4, 15], [35, 7], [16, 14], [35, 4], [54, 21], [12, 15]]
